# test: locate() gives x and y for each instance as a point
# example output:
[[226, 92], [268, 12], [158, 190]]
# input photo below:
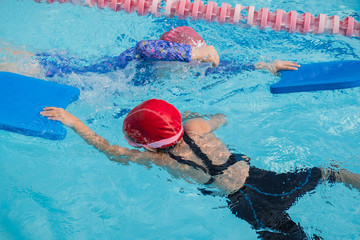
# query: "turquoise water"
[[68, 190]]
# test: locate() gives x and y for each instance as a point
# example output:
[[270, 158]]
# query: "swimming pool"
[[68, 190]]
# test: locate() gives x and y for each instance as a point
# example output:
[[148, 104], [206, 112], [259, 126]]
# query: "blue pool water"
[[68, 190]]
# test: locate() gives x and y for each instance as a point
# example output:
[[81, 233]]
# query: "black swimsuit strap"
[[234, 158], [187, 162], [213, 169], [192, 164]]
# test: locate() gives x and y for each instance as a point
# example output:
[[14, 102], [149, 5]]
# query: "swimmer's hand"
[[59, 114], [206, 54], [285, 65], [277, 65]]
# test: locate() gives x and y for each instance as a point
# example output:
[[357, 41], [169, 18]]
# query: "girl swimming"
[[258, 196], [181, 44]]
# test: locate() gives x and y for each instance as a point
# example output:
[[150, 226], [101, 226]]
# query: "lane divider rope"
[[244, 16]]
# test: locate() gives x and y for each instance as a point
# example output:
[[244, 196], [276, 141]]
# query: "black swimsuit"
[[211, 169], [265, 196]]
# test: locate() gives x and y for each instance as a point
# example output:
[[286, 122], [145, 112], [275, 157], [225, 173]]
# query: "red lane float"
[[239, 15]]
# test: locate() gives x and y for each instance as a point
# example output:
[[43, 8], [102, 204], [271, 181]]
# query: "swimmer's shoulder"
[[200, 132], [197, 126]]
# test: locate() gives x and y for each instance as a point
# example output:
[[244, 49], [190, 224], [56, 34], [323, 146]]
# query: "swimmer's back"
[[234, 176]]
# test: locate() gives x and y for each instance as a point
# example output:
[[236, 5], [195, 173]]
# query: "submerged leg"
[[18, 61], [265, 198], [270, 224], [350, 179]]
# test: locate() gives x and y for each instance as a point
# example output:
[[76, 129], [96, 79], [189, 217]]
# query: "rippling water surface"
[[68, 190]]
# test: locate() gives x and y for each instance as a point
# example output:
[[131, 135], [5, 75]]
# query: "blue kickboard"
[[319, 76], [23, 98]]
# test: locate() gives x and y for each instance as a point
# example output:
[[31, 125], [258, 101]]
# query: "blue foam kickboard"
[[319, 76], [23, 98]]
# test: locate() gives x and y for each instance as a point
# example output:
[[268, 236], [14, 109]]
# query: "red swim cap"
[[184, 35], [154, 123]]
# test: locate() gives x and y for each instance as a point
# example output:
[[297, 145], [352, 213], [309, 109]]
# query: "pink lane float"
[[244, 16]]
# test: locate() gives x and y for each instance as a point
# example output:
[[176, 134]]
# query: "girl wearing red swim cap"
[[258, 196]]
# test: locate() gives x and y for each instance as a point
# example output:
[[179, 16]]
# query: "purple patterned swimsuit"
[[146, 51]]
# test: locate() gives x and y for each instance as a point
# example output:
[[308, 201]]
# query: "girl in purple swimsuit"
[[181, 44]]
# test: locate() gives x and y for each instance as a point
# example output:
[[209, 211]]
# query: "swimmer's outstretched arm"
[[160, 50], [95, 140], [277, 66]]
